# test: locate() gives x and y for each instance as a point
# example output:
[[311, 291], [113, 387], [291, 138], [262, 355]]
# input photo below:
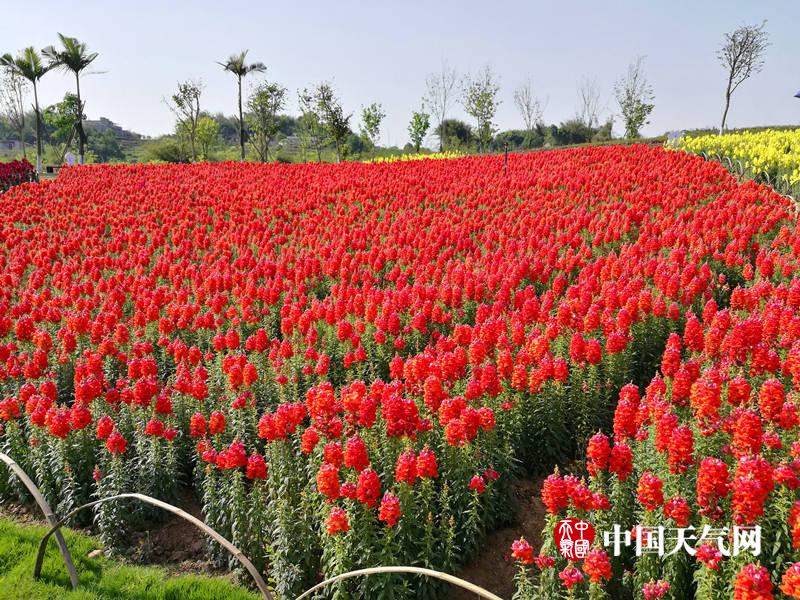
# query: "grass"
[[100, 578]]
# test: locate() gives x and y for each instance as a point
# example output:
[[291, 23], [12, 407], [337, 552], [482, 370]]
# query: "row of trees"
[[28, 66], [323, 122]]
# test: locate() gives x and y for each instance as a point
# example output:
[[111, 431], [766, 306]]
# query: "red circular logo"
[[573, 538]]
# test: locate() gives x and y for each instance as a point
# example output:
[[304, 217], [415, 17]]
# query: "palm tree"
[[236, 65], [74, 56], [28, 64]]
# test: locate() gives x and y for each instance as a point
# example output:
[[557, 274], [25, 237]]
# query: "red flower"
[[355, 454], [115, 443], [477, 484], [598, 453], [713, 486], [621, 461], [256, 467], [104, 427], [328, 481], [653, 590], [406, 468], [389, 511], [154, 428], [752, 583], [597, 565], [709, 555], [368, 487], [790, 583], [650, 491], [426, 464], [570, 576], [309, 440], [216, 423], [337, 521], [677, 509], [522, 551], [197, 425]]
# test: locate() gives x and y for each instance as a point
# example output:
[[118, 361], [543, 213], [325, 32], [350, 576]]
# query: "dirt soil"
[[180, 547], [494, 569]]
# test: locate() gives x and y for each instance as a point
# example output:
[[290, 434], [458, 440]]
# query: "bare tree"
[[589, 103], [742, 55], [439, 95], [12, 103], [635, 96], [528, 106], [185, 105]]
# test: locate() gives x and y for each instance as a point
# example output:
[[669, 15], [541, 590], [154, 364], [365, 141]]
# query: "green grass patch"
[[100, 578]]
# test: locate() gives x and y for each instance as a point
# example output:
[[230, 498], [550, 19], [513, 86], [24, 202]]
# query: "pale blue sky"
[[382, 52]]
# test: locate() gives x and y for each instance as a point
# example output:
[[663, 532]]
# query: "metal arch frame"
[[471, 587], [48, 514], [56, 526], [73, 575]]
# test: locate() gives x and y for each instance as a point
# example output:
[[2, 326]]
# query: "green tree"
[[479, 97], [105, 146], [455, 134], [263, 106], [371, 118], [74, 56], [29, 65], [635, 97], [742, 55], [185, 105], [237, 65], [207, 136], [418, 127], [328, 108], [312, 129], [12, 103], [59, 121]]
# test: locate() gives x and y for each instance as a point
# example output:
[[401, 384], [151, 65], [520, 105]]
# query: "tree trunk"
[[38, 130], [727, 104], [241, 119], [79, 123]]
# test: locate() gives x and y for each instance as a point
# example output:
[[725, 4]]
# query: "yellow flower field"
[[776, 153], [420, 156]]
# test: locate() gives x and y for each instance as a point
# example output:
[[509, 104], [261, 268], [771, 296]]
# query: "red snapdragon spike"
[[752, 582], [390, 325]]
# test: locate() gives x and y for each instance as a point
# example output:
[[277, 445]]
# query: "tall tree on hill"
[[371, 118], [28, 64], [742, 55], [312, 131], [335, 123], [418, 127], [439, 96], [588, 103], [263, 106], [73, 56], [479, 97], [635, 97], [185, 106], [237, 65], [529, 107], [12, 103]]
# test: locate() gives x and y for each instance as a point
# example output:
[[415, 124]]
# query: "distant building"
[[11, 145]]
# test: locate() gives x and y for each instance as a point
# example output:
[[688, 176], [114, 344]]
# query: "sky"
[[382, 52]]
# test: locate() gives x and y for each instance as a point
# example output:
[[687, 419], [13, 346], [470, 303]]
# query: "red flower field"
[[351, 363]]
